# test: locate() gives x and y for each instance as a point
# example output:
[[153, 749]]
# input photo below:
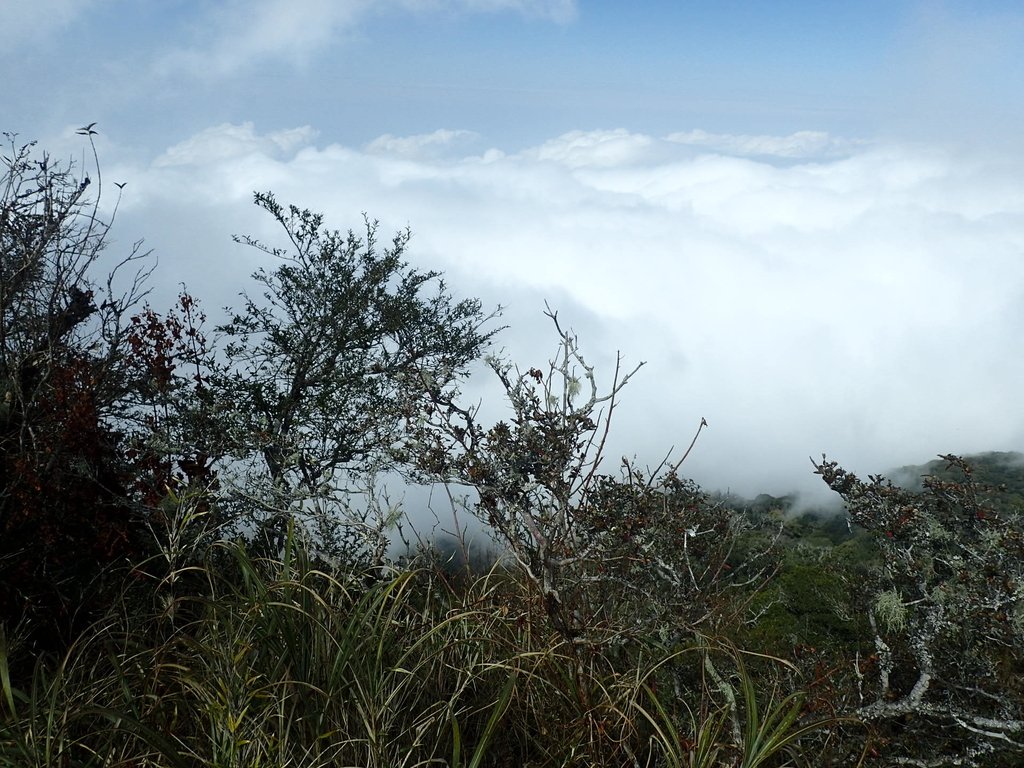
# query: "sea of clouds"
[[805, 293]]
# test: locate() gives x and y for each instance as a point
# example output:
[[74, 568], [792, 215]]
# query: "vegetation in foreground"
[[274, 662], [194, 536]]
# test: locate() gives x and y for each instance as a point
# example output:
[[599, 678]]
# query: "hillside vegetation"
[[195, 525]]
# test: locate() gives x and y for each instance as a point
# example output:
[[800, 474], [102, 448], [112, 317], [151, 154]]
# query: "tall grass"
[[283, 663]]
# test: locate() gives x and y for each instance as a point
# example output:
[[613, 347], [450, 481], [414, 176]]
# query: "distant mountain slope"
[[1002, 471], [996, 469]]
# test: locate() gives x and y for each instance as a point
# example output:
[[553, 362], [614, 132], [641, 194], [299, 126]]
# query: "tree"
[[113, 416], [947, 618], [343, 349], [639, 548], [622, 565], [64, 511]]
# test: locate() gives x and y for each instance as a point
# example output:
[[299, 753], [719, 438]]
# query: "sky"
[[806, 218]]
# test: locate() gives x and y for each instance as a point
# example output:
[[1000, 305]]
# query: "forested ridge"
[[198, 524]]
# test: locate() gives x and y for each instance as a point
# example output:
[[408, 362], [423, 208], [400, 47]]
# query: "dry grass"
[[281, 663]]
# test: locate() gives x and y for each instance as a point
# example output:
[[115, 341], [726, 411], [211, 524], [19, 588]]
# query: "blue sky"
[[516, 72], [807, 217]]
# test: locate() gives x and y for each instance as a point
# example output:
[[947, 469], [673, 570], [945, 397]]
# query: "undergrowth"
[[284, 662]]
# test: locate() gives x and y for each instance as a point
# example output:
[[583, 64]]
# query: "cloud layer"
[[242, 33], [804, 293], [27, 22]]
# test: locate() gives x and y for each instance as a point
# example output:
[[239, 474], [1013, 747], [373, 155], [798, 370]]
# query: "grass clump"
[[280, 662]]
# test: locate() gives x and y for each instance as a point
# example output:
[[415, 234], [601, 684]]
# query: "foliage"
[[344, 348], [642, 551], [941, 685], [284, 663], [1002, 471], [213, 500], [811, 604], [170, 423], [111, 412], [64, 476]]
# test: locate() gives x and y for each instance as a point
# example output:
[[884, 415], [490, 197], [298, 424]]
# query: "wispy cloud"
[[241, 33], [221, 144], [867, 303], [237, 34], [421, 145], [552, 10], [589, 149], [802, 144], [26, 22]]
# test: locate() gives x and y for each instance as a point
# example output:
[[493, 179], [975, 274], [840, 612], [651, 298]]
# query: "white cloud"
[[421, 145], [240, 33], [868, 305], [582, 149], [25, 22], [226, 142], [802, 144]]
